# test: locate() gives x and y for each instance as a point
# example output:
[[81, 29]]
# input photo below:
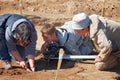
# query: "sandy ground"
[[57, 12]]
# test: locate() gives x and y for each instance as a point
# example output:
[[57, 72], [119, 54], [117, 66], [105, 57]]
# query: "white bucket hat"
[[80, 21]]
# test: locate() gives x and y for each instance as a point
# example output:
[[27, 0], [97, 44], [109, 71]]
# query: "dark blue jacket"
[[8, 23]]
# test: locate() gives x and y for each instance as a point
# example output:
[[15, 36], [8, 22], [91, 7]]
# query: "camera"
[[52, 50]]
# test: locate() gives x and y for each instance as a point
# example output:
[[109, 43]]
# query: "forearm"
[[104, 44], [31, 58], [17, 56], [105, 52]]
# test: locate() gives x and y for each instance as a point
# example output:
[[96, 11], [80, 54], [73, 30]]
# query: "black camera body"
[[52, 50]]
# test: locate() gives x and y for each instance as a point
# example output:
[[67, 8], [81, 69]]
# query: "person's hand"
[[98, 59], [31, 62], [32, 67], [23, 64], [44, 47]]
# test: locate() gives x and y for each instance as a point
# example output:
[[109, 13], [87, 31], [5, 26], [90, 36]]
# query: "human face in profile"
[[49, 37], [22, 43], [46, 37], [83, 32]]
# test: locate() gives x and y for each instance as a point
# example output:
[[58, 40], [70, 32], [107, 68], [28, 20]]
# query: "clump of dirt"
[[11, 72]]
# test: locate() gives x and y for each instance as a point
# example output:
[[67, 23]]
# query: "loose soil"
[[57, 12]]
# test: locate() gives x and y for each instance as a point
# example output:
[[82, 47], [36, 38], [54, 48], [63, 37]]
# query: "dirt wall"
[[63, 8]]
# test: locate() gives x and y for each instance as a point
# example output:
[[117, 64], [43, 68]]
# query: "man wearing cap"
[[104, 35], [18, 37]]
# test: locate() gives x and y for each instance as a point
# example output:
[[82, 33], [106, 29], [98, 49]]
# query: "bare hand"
[[44, 47], [33, 69], [23, 64], [31, 62], [98, 59]]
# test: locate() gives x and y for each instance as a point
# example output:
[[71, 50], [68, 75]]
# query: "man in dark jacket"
[[18, 37]]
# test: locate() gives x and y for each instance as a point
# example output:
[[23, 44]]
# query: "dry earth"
[[57, 12]]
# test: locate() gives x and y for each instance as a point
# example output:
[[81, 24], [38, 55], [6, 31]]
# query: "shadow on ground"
[[43, 64]]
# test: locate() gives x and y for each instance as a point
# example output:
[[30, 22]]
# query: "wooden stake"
[[103, 13], [20, 6], [59, 63]]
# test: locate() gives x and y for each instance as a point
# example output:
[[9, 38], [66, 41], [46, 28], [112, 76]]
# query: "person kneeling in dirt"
[[18, 37], [104, 35]]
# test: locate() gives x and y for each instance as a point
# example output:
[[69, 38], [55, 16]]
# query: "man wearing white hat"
[[104, 35]]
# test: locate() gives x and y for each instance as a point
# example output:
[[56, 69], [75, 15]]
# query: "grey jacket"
[[105, 35]]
